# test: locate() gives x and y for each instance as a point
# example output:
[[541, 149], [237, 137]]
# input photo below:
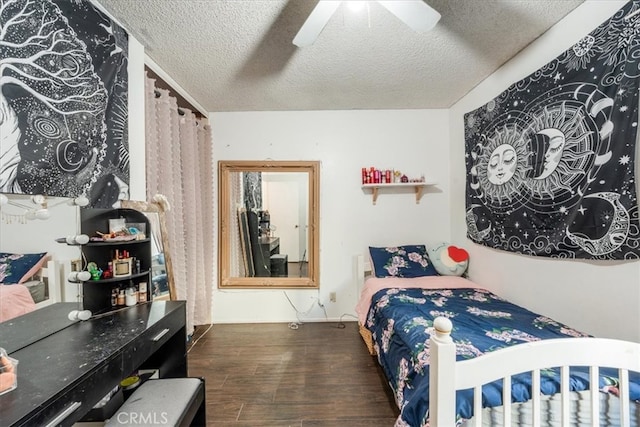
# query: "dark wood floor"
[[318, 375]]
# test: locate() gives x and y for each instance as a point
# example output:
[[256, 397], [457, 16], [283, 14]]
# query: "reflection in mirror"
[[22, 233], [269, 224], [162, 281]]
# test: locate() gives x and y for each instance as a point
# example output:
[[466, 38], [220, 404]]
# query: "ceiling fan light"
[[416, 14], [356, 5]]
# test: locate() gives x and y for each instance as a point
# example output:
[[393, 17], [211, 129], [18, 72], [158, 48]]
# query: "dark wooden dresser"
[[65, 368]]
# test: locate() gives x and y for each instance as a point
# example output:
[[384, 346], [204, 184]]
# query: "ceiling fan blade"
[[415, 13], [316, 21]]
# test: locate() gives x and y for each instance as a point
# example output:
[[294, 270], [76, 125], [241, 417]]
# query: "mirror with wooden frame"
[[162, 280], [269, 223]]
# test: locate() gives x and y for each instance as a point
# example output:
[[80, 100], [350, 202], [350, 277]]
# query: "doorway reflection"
[[272, 214], [269, 224]]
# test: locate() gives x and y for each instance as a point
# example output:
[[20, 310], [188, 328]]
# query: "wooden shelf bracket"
[[417, 186]]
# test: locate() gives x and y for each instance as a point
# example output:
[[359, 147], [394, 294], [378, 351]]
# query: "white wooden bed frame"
[[446, 376], [50, 275]]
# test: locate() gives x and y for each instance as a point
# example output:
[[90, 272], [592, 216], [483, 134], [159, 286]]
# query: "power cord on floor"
[[296, 325], [341, 324]]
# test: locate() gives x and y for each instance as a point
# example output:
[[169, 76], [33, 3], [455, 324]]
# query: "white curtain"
[[179, 164]]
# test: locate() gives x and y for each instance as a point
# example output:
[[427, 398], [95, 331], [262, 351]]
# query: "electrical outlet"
[[332, 296]]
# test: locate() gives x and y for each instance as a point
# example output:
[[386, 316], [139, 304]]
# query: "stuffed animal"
[[449, 260]]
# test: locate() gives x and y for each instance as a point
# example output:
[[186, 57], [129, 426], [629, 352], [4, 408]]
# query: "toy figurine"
[[96, 273]]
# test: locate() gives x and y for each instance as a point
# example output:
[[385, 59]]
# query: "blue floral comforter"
[[401, 321]]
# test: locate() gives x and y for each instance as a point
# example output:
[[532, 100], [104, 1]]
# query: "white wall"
[[413, 141], [601, 298], [587, 295]]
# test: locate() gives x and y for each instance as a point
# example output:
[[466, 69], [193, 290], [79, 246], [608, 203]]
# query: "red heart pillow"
[[457, 254]]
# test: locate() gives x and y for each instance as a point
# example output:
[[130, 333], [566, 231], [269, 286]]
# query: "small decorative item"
[[121, 267], [131, 297], [8, 372], [96, 273], [138, 229], [142, 292], [76, 265], [404, 178], [117, 225]]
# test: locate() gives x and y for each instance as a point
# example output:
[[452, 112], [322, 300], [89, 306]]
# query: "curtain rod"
[[181, 110]]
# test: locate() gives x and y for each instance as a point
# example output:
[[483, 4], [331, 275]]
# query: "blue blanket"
[[401, 321]]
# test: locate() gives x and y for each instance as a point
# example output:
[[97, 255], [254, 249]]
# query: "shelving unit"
[[96, 294], [417, 186]]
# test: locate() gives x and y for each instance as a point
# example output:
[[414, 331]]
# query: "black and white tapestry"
[[550, 161], [63, 101], [252, 190]]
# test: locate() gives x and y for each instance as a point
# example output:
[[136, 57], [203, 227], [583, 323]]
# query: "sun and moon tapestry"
[[63, 101], [550, 162]]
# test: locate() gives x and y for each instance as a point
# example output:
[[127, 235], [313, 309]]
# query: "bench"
[[167, 402]]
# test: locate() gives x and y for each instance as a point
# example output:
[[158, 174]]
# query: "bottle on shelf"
[[142, 292], [121, 297]]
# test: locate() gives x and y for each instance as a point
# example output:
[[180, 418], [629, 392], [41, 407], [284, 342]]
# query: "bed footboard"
[[50, 275], [447, 376]]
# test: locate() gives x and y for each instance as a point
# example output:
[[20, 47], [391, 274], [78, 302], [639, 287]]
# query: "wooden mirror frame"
[[225, 168], [155, 207]]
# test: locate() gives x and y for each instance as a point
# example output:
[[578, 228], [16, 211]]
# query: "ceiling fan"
[[418, 15]]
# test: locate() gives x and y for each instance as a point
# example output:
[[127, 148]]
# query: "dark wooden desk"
[[270, 245], [62, 374], [262, 256]]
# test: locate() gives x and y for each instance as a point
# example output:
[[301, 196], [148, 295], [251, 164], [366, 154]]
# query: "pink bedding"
[[15, 300], [374, 284]]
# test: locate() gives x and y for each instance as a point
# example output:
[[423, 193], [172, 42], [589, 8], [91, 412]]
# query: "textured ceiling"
[[237, 55]]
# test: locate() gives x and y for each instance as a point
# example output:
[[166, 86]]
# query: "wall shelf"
[[97, 294], [417, 186], [120, 278], [116, 242]]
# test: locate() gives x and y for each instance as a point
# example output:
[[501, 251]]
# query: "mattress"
[[580, 409], [400, 321], [15, 301]]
